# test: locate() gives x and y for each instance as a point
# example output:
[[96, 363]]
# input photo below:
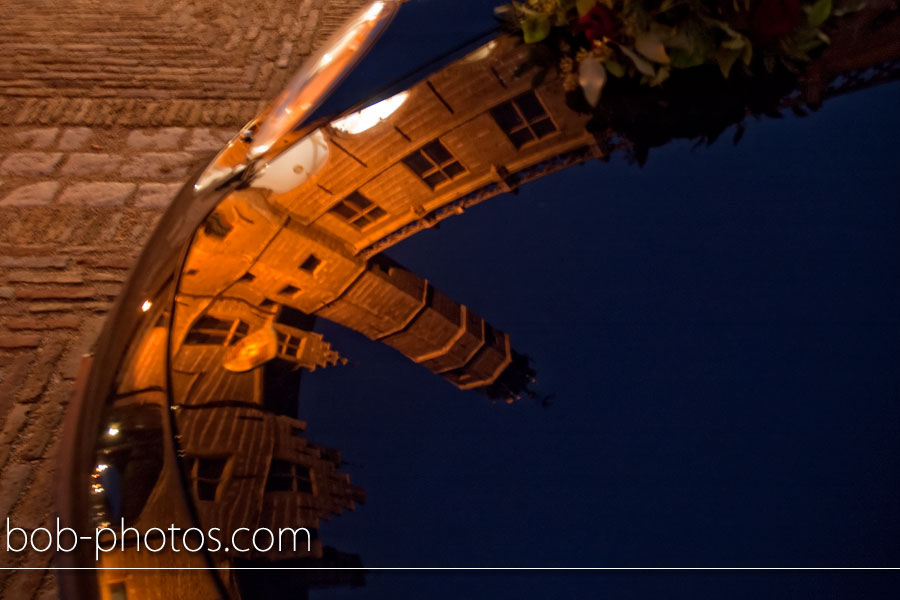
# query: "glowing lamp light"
[[146, 306], [101, 467], [370, 116], [254, 350], [480, 53], [113, 431]]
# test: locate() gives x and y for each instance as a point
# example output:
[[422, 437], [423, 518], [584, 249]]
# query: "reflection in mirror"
[[202, 429]]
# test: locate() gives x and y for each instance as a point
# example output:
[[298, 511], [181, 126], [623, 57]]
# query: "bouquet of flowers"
[[593, 40]]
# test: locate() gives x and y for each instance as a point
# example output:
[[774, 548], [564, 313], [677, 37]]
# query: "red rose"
[[775, 19], [597, 23]]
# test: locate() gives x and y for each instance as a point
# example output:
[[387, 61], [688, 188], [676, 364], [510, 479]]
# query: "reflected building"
[[307, 234], [243, 463]]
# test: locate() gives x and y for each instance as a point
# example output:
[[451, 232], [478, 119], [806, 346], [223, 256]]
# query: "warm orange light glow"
[[250, 351], [370, 116], [254, 350], [146, 306]]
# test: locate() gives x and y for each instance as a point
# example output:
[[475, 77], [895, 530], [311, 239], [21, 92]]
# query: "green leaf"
[[747, 54], [682, 59], [584, 6], [805, 46], [642, 64], [651, 47], [725, 59], [666, 5], [535, 28], [734, 43], [661, 76], [561, 18], [818, 12], [614, 67], [847, 9]]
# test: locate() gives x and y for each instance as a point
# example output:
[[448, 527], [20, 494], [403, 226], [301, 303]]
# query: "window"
[[240, 332], [309, 265], [117, 591], [358, 210], [209, 331], [216, 226], [523, 119], [287, 344], [205, 474], [289, 290], [285, 476], [434, 164]]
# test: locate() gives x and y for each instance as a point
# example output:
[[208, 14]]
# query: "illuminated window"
[[358, 210], [434, 164], [285, 476], [523, 119], [206, 475]]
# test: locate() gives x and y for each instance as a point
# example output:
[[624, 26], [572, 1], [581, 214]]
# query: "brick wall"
[[105, 107]]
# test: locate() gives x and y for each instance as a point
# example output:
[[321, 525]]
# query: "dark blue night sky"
[[719, 331]]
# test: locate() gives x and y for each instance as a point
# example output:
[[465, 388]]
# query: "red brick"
[[39, 138], [39, 323], [34, 262], [71, 363], [49, 307], [109, 261], [41, 276], [27, 583], [37, 511], [43, 424], [74, 138], [16, 418], [30, 163], [108, 290], [12, 480], [19, 340], [14, 378], [32, 194], [106, 277], [41, 371], [55, 292]]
